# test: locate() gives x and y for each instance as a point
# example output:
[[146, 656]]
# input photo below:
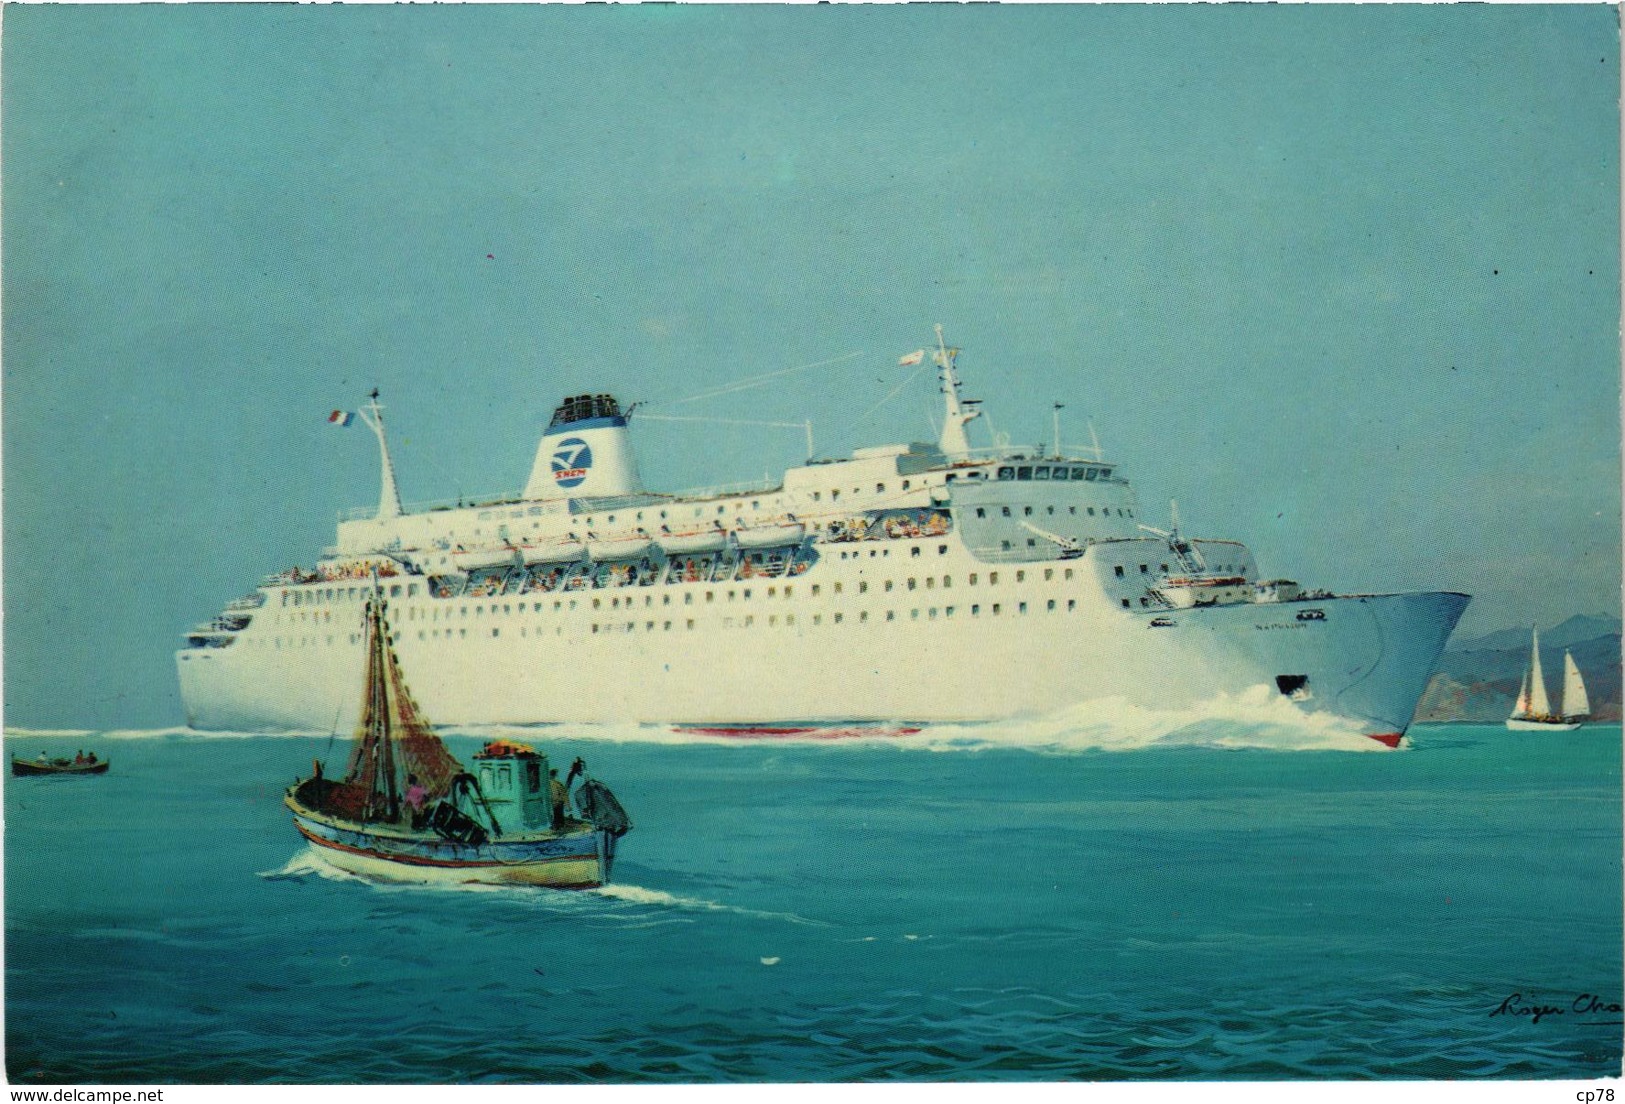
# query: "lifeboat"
[[562, 552], [695, 541], [771, 536], [630, 547], [486, 558]]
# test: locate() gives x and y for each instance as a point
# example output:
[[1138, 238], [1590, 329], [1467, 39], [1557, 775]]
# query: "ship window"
[[773, 619], [995, 608], [905, 484], [1145, 601], [817, 496], [837, 619], [688, 599], [887, 587], [1051, 606], [1067, 573], [496, 632], [815, 589], [1091, 511], [710, 595], [1027, 511], [915, 551], [1049, 573], [914, 614], [690, 623], [1007, 473], [930, 583], [665, 626], [1005, 511], [890, 616], [1021, 576], [1050, 509], [1006, 545], [1090, 474], [597, 602], [789, 619], [1024, 473], [833, 495], [1142, 569], [1041, 473], [911, 584], [981, 512], [863, 587], [612, 519], [880, 488], [411, 591], [595, 624], [1031, 543], [863, 615], [1071, 604], [1119, 570], [462, 632], [992, 578]]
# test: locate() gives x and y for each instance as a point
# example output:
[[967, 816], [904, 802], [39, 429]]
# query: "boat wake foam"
[[1258, 717], [309, 863]]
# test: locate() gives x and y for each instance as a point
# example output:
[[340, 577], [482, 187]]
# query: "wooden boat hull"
[[580, 859], [28, 769]]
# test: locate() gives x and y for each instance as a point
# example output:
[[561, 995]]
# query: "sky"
[[1343, 281]]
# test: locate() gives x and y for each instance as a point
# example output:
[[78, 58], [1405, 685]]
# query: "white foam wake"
[[1257, 717]]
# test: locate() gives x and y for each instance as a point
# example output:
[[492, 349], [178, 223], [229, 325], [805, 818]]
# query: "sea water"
[[1225, 897]]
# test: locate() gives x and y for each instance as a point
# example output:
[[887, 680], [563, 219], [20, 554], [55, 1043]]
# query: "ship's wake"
[[1258, 717], [626, 905]]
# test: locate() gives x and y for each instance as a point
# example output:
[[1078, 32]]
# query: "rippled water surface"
[[1144, 897]]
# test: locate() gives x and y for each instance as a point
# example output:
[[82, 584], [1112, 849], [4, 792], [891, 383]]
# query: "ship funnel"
[[585, 453]]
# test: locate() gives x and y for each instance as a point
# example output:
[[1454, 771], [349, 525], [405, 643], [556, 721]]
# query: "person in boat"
[[79, 759], [416, 795], [91, 758], [560, 798]]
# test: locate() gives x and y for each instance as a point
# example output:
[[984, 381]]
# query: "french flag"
[[341, 417]]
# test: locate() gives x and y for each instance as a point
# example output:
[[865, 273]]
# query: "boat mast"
[[389, 499], [953, 442]]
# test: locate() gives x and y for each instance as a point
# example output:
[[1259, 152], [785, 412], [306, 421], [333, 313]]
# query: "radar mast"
[[389, 499]]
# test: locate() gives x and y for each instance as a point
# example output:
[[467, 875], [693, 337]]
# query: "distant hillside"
[[1477, 679], [1576, 629]]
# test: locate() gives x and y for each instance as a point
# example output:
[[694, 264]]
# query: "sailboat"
[[408, 810], [1534, 712]]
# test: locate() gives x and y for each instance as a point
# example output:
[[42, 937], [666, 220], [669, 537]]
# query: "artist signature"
[[1586, 1004]]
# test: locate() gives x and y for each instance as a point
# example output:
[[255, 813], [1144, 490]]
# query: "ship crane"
[[1190, 558], [1070, 549]]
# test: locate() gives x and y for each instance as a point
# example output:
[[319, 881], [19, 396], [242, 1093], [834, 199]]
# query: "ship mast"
[[389, 499], [953, 442]]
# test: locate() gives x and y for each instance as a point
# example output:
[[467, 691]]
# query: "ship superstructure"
[[905, 583]]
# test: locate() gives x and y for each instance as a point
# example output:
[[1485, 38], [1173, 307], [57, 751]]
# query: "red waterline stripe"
[[762, 732]]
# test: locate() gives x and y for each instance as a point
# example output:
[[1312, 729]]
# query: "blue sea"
[[1037, 900]]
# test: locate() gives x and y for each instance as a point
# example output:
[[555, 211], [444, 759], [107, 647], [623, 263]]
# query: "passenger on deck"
[[80, 758]]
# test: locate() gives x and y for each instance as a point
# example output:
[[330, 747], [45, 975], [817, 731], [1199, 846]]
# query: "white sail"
[[1522, 708], [1575, 702], [1538, 705]]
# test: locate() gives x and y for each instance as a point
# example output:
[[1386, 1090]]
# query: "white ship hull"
[[1368, 659], [1518, 725], [907, 584]]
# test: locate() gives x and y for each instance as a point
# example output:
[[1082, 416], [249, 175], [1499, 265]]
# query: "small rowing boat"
[[42, 765]]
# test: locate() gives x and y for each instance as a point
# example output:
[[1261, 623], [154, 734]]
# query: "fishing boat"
[[408, 810], [44, 765], [1534, 712]]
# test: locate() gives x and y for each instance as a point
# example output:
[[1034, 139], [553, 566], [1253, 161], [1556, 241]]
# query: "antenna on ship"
[[389, 499], [1057, 415], [953, 442]]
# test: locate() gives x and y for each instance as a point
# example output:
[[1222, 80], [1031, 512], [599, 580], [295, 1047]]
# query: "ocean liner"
[[906, 583]]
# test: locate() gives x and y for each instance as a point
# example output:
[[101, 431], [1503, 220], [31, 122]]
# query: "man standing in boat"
[[560, 798]]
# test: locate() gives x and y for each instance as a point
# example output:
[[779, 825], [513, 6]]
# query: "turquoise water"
[[948, 906]]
